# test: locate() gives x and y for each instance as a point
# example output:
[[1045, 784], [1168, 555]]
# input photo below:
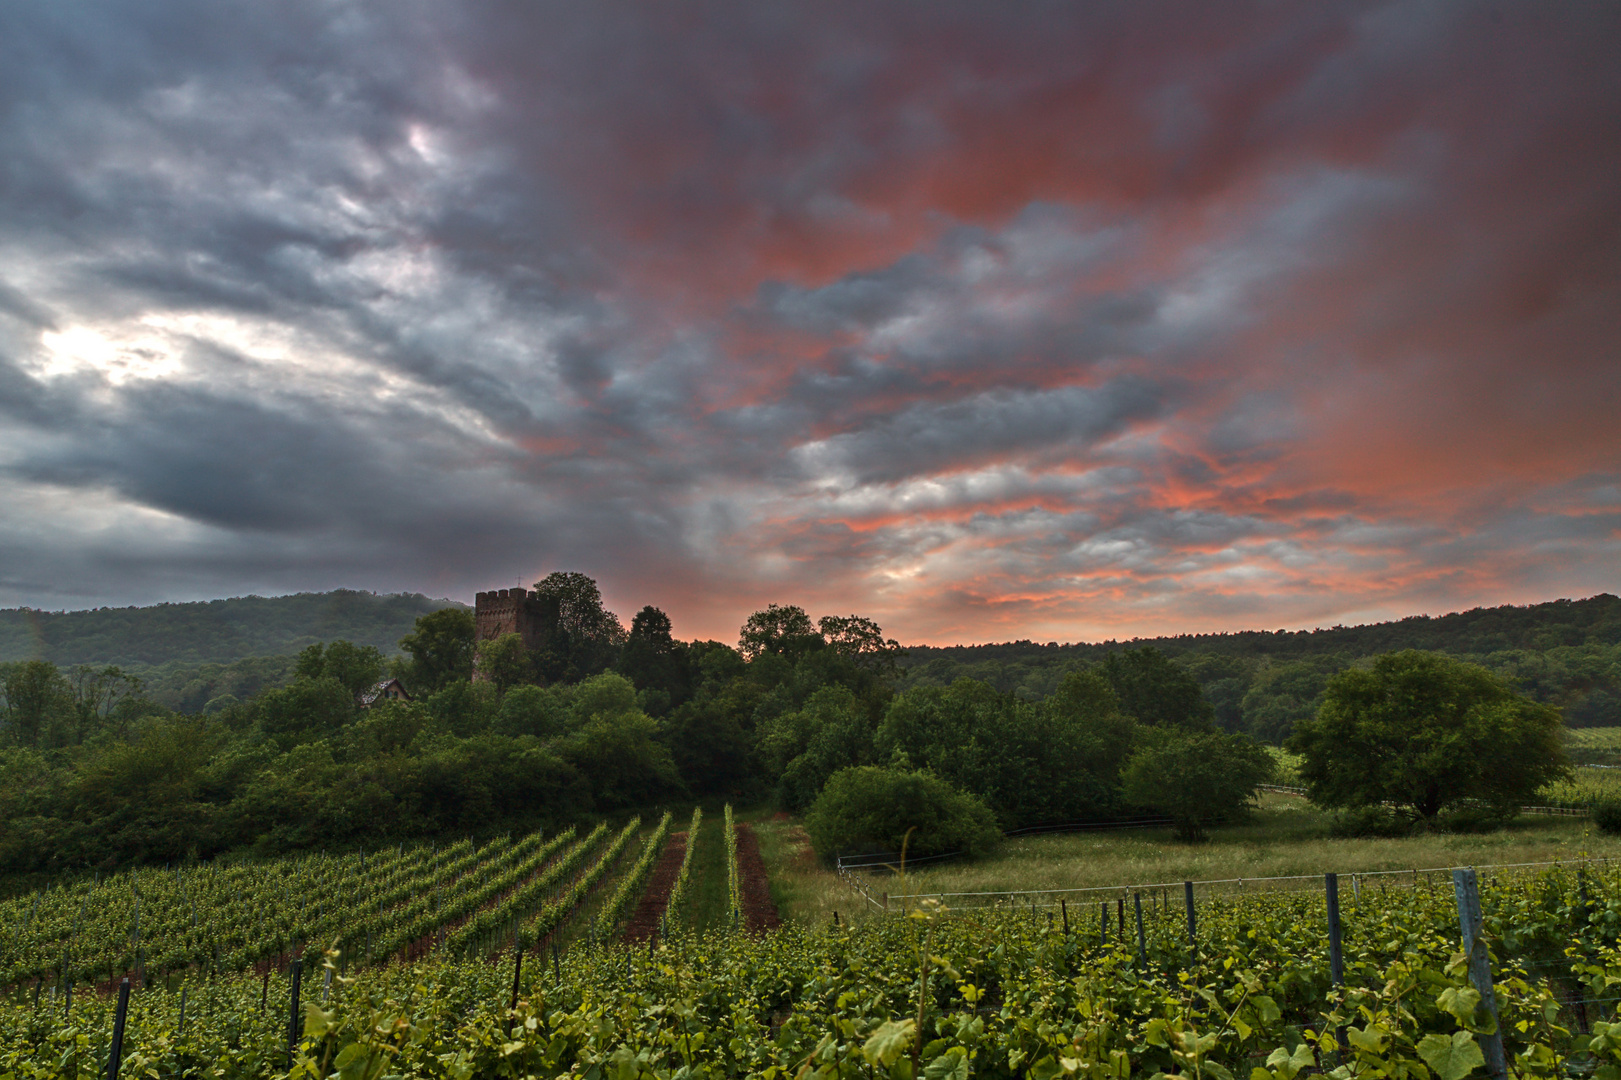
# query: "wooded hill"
[[213, 631], [1565, 653], [1479, 631]]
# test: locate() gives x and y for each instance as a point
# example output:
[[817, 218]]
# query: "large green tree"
[[588, 636], [781, 629], [1423, 733], [39, 700], [441, 649]]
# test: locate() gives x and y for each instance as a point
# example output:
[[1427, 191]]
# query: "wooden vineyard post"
[[1193, 923], [1120, 906], [294, 1021], [1103, 923], [1063, 906], [517, 973], [117, 1053], [181, 1027], [557, 965], [1467, 889], [1336, 961], [1142, 945]]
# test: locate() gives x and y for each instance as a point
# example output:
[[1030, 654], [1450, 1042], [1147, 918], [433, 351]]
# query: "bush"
[[1196, 778], [868, 809], [1366, 821], [1607, 815]]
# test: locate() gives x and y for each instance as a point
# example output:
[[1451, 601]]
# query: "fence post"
[[295, 1022], [517, 972], [1193, 923], [114, 1058], [1063, 906], [1336, 963], [1142, 945], [1467, 889]]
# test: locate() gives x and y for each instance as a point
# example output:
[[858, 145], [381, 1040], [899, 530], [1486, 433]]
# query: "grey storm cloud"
[[932, 438], [907, 307]]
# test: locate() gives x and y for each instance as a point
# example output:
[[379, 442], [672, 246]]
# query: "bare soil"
[[759, 913], [644, 921]]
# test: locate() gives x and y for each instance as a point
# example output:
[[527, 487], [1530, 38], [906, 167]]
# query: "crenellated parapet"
[[532, 616]]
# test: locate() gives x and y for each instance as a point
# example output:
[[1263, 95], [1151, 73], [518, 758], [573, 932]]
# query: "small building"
[[387, 690]]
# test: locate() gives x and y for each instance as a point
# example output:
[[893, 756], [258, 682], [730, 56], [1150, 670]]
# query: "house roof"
[[369, 697]]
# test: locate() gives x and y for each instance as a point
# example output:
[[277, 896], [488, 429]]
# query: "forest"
[[96, 771]]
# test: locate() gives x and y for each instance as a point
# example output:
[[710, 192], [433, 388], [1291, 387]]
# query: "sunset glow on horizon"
[[1047, 321]]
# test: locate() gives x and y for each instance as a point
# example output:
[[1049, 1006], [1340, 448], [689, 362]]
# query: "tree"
[[867, 808], [804, 747], [589, 635], [779, 629], [1156, 691], [97, 697], [653, 659], [1056, 761], [504, 661], [863, 641], [1423, 733], [38, 699], [441, 649], [1195, 778], [357, 667]]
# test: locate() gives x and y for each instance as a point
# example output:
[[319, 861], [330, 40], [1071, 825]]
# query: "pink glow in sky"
[[986, 321]]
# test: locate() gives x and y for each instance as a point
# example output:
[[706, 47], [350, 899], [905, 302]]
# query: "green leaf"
[[1369, 1040], [892, 1039], [1045, 1069], [1460, 1001], [951, 1065], [1452, 1058]]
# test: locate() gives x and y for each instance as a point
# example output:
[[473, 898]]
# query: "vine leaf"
[[1452, 1058]]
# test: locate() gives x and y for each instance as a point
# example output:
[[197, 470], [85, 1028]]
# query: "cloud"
[[1049, 321]]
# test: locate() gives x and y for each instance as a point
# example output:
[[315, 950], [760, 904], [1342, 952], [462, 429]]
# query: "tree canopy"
[[1424, 733]]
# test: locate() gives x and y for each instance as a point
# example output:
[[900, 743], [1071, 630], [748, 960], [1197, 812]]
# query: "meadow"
[[1285, 836]]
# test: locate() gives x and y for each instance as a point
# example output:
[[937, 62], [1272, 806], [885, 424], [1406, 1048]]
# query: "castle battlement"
[[514, 611]]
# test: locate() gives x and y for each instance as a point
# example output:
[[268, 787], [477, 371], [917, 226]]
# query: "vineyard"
[[1246, 988]]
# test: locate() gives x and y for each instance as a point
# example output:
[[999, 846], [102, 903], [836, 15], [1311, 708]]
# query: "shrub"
[[1607, 815], [1196, 778], [866, 808], [1364, 821]]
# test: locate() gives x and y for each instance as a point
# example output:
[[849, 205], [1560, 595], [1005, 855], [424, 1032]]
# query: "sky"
[[987, 321]]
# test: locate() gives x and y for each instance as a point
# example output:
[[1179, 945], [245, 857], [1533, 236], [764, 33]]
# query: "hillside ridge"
[[211, 631]]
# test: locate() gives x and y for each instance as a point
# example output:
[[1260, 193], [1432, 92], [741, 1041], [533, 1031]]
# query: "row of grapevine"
[[526, 896], [988, 994], [552, 915], [734, 875], [472, 893], [224, 918], [678, 892], [631, 886]]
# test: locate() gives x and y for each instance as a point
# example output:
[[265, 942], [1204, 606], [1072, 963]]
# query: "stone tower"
[[531, 616]]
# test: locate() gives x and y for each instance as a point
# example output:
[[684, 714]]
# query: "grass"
[[1594, 738], [706, 892], [1285, 836]]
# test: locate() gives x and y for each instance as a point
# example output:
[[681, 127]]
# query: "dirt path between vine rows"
[[759, 913], [645, 922]]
